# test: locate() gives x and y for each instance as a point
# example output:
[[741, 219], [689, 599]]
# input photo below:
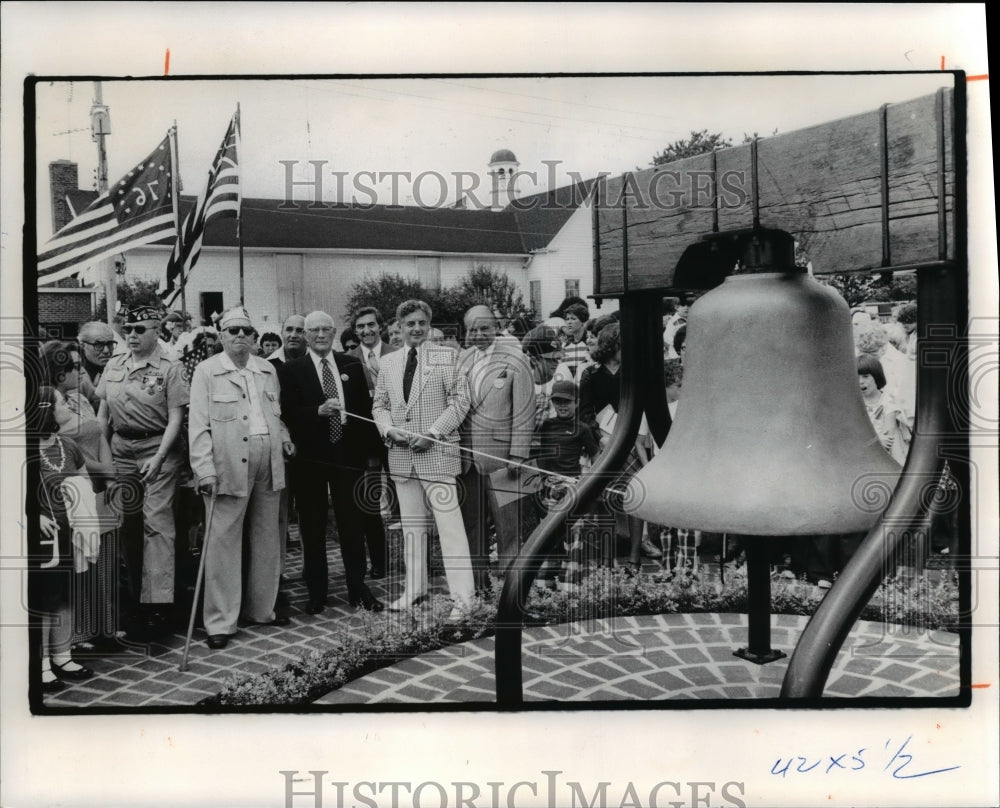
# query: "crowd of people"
[[159, 442]]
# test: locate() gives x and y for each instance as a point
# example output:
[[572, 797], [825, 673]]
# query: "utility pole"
[[100, 128]]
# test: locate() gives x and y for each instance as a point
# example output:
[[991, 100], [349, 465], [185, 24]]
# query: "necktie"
[[330, 390], [373, 364], [411, 368]]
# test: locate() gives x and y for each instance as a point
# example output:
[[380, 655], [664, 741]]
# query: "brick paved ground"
[[677, 656], [631, 658]]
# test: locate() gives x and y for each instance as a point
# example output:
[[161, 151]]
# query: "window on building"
[[429, 272], [572, 287], [535, 297]]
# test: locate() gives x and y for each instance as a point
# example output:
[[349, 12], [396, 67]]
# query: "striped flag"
[[137, 209], [221, 199]]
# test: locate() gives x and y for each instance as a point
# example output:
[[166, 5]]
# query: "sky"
[[440, 125]]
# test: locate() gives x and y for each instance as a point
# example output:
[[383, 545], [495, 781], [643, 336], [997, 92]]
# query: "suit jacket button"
[[245, 439], [244, 460], [244, 417]]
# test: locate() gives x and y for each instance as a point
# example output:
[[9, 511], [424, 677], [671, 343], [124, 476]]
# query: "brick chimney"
[[63, 178]]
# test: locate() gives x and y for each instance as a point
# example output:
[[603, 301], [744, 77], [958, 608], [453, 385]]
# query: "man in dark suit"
[[318, 392], [368, 327]]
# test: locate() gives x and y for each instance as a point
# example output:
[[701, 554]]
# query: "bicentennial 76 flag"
[[138, 209]]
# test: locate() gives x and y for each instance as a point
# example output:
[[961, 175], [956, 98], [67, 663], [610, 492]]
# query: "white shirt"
[[257, 423], [317, 361]]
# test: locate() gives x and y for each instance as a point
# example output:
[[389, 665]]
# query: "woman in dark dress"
[[51, 559]]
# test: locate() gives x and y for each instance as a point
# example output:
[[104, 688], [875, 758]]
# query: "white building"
[[302, 256]]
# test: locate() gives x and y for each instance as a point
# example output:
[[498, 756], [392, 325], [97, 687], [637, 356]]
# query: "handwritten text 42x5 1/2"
[[854, 763]]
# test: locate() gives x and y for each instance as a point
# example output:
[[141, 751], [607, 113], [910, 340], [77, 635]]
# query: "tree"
[[699, 143], [385, 292], [487, 286], [130, 294], [862, 287]]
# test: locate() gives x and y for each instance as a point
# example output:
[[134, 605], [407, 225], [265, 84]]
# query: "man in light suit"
[[367, 325], [497, 430], [420, 401], [319, 393], [238, 449]]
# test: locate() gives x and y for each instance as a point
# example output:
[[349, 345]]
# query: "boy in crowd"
[[562, 441]]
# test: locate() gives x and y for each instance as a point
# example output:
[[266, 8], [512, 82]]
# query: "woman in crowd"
[[600, 394], [60, 549], [77, 421]]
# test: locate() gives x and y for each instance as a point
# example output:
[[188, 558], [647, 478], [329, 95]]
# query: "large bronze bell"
[[771, 436]]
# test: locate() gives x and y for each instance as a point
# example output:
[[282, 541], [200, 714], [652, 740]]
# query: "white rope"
[[506, 461]]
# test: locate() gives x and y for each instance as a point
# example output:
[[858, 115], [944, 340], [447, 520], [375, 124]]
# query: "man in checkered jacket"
[[419, 402]]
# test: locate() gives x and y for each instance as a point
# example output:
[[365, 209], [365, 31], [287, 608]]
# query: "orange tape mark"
[[166, 63], [942, 62], [980, 77], [982, 685]]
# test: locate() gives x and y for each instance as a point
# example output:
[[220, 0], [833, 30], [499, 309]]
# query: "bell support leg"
[[640, 314]]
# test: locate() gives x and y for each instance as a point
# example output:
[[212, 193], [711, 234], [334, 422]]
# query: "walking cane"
[[197, 585]]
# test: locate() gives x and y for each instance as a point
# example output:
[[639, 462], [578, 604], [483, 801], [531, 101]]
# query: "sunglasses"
[[236, 330], [99, 346], [138, 329]]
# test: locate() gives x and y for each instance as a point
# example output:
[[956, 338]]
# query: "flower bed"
[[387, 639]]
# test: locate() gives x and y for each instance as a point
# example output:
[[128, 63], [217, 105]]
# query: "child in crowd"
[[562, 440]]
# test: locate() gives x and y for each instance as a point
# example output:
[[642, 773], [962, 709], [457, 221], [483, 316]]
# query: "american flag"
[[194, 355], [221, 198], [137, 209]]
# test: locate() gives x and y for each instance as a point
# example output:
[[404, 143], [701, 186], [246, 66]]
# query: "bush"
[[389, 639], [482, 285]]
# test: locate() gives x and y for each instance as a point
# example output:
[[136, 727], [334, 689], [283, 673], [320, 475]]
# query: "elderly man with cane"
[[238, 445]]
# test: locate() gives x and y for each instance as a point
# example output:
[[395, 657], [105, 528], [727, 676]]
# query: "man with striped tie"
[[319, 393], [367, 325]]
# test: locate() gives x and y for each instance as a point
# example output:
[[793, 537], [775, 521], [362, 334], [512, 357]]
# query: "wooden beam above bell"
[[857, 193]]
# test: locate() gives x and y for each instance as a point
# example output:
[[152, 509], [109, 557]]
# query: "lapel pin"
[[345, 377]]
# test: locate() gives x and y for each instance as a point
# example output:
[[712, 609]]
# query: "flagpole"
[[175, 190], [239, 210], [107, 266]]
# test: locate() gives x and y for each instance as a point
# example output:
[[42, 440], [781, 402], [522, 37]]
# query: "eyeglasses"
[[321, 330], [236, 330], [138, 329], [99, 346], [295, 330]]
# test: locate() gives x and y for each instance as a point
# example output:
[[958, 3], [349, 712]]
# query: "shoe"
[[217, 641], [53, 685], [76, 674], [822, 583], [632, 568], [157, 625], [650, 550], [316, 606], [369, 603], [282, 601], [376, 573]]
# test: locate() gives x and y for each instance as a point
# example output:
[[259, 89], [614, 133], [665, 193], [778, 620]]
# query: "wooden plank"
[[822, 184]]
